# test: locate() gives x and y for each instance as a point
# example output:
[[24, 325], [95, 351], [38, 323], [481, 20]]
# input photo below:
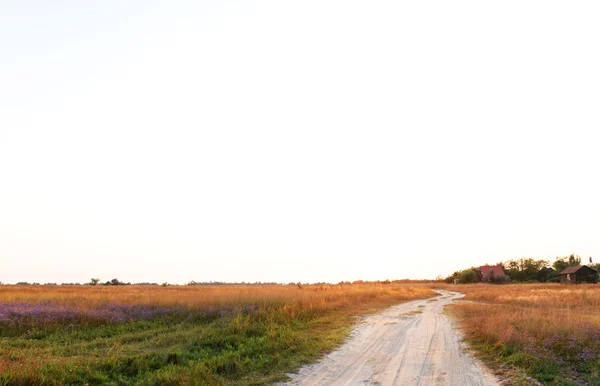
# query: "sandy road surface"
[[409, 344]]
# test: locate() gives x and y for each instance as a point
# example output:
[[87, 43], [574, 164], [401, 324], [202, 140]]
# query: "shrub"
[[499, 279], [468, 276]]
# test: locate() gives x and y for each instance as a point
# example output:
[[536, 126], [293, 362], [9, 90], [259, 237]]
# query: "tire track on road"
[[408, 344]]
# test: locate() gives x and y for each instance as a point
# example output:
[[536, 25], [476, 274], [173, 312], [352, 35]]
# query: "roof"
[[574, 268], [485, 270]]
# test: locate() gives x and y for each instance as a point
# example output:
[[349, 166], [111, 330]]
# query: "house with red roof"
[[485, 271]]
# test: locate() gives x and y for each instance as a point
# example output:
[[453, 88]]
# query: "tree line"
[[524, 270]]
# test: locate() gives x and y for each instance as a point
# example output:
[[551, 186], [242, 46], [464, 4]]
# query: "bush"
[[468, 276], [499, 279]]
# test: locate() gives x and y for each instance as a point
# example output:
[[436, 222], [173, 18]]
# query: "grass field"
[[550, 331], [175, 335]]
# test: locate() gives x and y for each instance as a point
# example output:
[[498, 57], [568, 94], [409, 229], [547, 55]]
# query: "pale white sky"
[[295, 141]]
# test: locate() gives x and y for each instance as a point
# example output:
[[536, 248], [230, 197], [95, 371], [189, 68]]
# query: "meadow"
[[178, 335], [549, 331]]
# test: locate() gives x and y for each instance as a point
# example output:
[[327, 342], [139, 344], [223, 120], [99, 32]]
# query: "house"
[[578, 274], [485, 271]]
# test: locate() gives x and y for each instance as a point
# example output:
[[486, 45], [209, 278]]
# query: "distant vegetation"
[[521, 271], [96, 281], [118, 334]]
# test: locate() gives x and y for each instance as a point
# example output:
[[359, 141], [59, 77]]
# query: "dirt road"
[[409, 344]]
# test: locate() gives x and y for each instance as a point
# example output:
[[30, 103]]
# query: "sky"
[[310, 141]]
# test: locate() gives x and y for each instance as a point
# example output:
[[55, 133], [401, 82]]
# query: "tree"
[[566, 261], [468, 276], [525, 269], [489, 277], [450, 279], [548, 275], [496, 279], [115, 282], [94, 281], [553, 277]]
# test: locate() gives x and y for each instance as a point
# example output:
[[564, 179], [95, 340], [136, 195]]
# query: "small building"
[[486, 271], [578, 274]]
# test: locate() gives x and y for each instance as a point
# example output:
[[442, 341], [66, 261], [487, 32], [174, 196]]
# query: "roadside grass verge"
[[549, 331], [221, 335]]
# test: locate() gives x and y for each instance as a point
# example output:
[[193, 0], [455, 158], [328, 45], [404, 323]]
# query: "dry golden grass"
[[534, 295], [556, 323], [218, 340], [538, 309], [309, 296]]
